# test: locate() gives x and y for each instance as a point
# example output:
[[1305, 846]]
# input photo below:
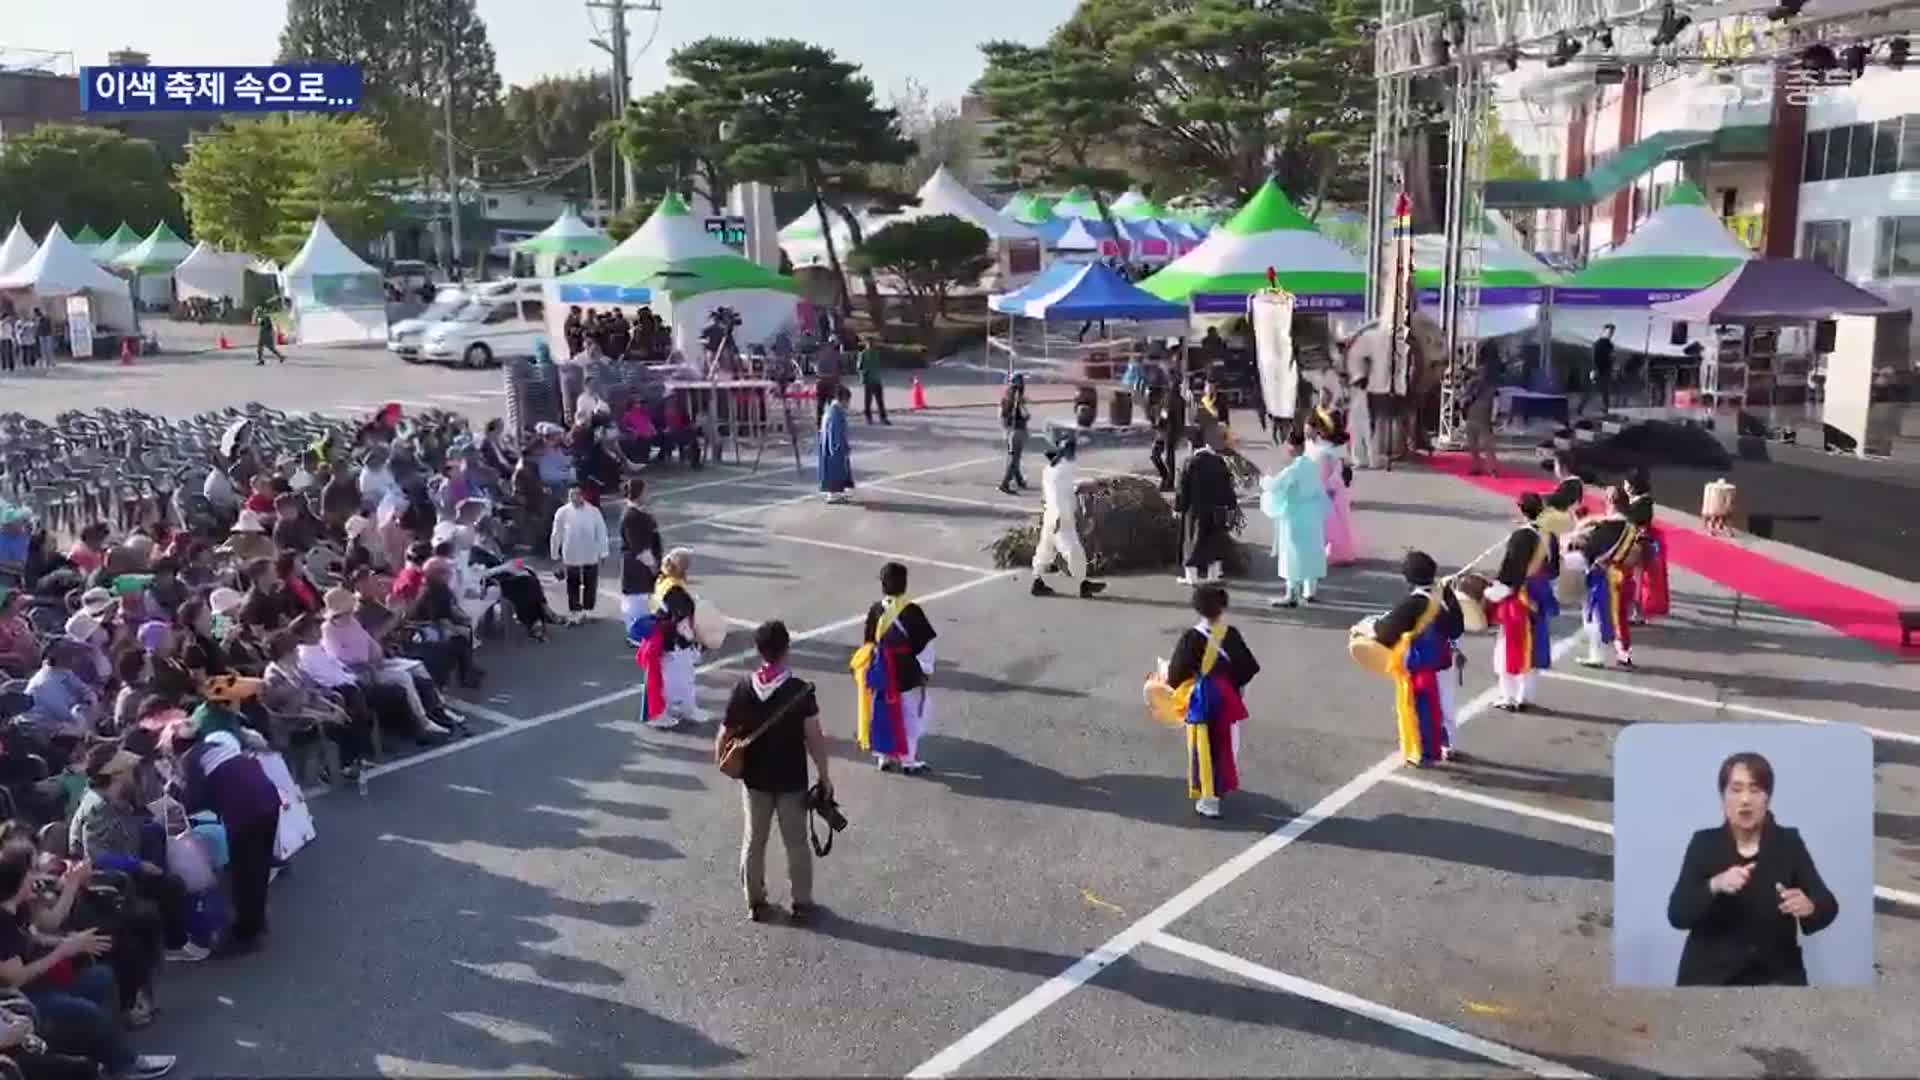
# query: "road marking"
[[741, 511], [1013, 1017], [957, 500], [1730, 706], [1541, 813], [469, 395], [1430, 1030], [617, 596], [510, 726], [834, 545]]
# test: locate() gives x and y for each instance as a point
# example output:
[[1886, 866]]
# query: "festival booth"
[[1084, 239], [86, 240], [151, 263], [1679, 249], [1082, 294], [1269, 235], [336, 297], [1077, 203], [1015, 247], [122, 240], [568, 238], [82, 299], [689, 272], [17, 250], [210, 274], [1750, 362], [806, 245]]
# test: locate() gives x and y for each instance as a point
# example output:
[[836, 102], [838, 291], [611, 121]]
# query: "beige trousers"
[[760, 808]]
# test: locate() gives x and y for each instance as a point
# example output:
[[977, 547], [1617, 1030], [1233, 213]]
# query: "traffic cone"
[[223, 343], [126, 352], [917, 400]]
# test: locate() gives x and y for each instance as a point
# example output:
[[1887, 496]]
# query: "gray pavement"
[[558, 895]]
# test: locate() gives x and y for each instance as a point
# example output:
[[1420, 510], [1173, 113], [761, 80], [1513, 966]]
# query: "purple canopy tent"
[[1774, 291]]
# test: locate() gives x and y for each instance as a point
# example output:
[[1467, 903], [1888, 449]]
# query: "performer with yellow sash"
[[1607, 549], [669, 649], [1521, 604], [1208, 673], [890, 673], [1420, 633]]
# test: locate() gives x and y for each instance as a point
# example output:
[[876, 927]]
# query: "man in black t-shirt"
[[779, 713], [1601, 377]]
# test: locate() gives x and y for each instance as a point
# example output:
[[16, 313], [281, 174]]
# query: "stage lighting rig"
[[1603, 36], [1564, 49], [1673, 24], [1786, 9]]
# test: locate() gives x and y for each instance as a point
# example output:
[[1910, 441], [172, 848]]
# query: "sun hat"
[[249, 522], [225, 601], [110, 759], [358, 524], [340, 600], [154, 634], [96, 601], [82, 626]]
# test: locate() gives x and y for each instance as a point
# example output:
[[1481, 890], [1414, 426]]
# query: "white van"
[[500, 321], [404, 337]]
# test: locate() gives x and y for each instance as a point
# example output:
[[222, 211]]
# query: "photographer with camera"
[[772, 727]]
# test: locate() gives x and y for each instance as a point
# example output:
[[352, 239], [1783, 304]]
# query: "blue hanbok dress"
[[835, 453]]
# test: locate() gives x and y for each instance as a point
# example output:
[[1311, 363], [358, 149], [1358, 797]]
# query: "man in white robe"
[[1059, 522]]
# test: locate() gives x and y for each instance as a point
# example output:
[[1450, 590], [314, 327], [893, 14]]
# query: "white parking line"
[[1371, 1010], [1005, 508], [510, 726], [742, 511], [1514, 806], [1760, 711], [835, 545], [1013, 1017]]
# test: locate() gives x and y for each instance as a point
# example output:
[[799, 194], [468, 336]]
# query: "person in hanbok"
[[834, 450], [1327, 444], [1059, 522], [1209, 672], [669, 650], [1521, 604], [1651, 599], [1296, 499], [890, 674], [1421, 632], [1209, 509], [1605, 550]]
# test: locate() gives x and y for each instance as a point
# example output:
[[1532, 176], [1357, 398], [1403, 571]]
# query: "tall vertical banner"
[[80, 326], [1401, 306], [1271, 313]]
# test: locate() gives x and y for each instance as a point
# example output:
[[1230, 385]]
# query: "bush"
[[1126, 524]]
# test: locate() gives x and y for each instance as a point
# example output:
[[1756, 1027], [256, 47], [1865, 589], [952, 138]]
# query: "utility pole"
[[453, 176], [621, 77]]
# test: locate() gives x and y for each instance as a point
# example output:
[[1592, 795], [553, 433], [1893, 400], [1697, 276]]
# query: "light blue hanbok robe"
[[835, 453], [1296, 499]]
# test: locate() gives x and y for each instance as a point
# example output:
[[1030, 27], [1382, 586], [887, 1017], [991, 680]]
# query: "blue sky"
[[929, 40]]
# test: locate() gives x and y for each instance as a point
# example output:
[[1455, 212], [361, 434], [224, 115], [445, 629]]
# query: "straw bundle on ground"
[[1126, 524]]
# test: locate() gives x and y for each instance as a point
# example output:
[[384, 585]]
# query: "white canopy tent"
[[18, 250], [211, 273], [151, 263], [60, 270], [337, 297]]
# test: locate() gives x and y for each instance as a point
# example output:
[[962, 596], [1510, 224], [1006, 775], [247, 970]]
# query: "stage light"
[[1564, 49], [1604, 36], [1511, 54], [1897, 53], [1818, 58], [1672, 24], [1786, 9]]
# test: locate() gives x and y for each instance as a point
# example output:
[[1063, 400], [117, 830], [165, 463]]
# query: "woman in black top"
[[639, 547], [1745, 887]]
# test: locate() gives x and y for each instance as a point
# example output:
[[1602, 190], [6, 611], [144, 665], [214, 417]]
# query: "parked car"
[[490, 327], [403, 337]]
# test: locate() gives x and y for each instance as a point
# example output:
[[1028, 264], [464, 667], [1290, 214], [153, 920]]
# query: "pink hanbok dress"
[[1341, 548]]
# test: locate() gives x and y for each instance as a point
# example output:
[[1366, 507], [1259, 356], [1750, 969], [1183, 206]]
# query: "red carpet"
[[1851, 611]]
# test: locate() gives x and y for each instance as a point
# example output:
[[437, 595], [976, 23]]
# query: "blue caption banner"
[[287, 88]]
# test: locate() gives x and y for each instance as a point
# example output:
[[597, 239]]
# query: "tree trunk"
[[1320, 187], [842, 301], [876, 304]]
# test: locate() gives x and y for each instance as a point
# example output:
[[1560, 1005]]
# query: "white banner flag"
[[1272, 318]]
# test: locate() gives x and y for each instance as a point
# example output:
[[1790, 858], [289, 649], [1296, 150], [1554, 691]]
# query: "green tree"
[[257, 185], [1504, 159], [928, 256], [1061, 107], [630, 217], [409, 51], [555, 122], [1231, 91], [941, 138], [792, 113], [79, 175]]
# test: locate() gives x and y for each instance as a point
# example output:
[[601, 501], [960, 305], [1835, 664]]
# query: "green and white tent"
[[1268, 232], [123, 240], [1681, 248], [151, 262], [568, 237], [1512, 281], [688, 273], [86, 239], [1077, 203]]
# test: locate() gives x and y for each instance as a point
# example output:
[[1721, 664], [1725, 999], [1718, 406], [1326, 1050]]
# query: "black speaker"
[[1679, 335], [1823, 335]]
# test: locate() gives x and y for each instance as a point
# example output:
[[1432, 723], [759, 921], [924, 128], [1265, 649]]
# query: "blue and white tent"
[[1079, 292]]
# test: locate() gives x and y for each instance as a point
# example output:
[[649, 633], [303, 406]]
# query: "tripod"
[[793, 433]]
